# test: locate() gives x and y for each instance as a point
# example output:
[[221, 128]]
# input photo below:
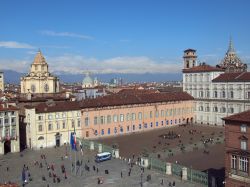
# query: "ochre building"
[[134, 111]]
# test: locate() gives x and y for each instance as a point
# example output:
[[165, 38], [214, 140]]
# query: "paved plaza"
[[191, 136], [11, 166]]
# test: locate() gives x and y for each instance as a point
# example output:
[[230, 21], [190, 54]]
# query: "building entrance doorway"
[[58, 139], [7, 146], [191, 120]]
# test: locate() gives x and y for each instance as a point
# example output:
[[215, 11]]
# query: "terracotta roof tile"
[[55, 107], [130, 98], [240, 117], [202, 68], [233, 77], [8, 107]]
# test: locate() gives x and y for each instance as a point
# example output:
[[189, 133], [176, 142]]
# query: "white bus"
[[103, 156]]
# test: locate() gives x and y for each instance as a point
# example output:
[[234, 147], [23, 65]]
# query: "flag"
[[73, 140]]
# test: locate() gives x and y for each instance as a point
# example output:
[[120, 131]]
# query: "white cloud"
[[15, 64], [65, 34], [13, 44], [77, 64]]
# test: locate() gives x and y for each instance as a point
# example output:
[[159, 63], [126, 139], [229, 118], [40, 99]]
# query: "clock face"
[[46, 87]]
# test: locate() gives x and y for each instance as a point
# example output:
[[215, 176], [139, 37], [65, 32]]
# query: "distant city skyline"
[[121, 36]]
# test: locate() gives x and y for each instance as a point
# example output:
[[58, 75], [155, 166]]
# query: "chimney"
[[67, 94]]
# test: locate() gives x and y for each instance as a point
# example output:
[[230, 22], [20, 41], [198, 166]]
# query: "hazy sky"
[[130, 36]]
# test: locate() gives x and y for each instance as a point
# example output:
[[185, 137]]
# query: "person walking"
[[121, 174]]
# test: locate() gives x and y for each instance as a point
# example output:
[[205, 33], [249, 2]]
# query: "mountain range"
[[13, 77]]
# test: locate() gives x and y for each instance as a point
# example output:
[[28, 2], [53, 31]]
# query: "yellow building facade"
[[50, 125]]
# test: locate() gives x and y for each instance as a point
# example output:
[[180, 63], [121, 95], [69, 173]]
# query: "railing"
[[158, 165], [197, 176], [95, 145], [177, 170]]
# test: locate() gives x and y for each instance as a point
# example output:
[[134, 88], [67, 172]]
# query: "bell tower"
[[189, 58]]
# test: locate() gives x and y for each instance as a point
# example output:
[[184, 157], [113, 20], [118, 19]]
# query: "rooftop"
[[39, 58], [202, 68], [55, 107], [240, 117], [134, 97], [191, 50], [233, 77]]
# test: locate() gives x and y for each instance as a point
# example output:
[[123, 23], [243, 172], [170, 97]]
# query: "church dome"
[[231, 62], [87, 81], [39, 58]]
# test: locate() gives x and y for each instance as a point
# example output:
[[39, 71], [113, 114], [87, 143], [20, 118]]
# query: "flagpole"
[[75, 147], [71, 152]]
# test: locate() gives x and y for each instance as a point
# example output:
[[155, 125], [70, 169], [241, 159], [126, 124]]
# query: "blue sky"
[[121, 36]]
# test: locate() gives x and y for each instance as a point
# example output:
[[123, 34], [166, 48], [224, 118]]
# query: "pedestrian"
[[121, 174], [173, 183], [162, 182], [7, 169], [94, 168], [129, 173], [97, 170], [65, 175]]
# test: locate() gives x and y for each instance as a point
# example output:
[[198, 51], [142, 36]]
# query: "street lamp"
[[224, 183], [141, 178]]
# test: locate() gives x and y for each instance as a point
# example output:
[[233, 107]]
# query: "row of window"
[[132, 117], [242, 163], [215, 109], [196, 77], [58, 124], [133, 128], [7, 121], [7, 113], [58, 115], [7, 132]]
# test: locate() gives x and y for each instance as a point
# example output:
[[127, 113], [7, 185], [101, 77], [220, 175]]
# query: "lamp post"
[[224, 183], [141, 179]]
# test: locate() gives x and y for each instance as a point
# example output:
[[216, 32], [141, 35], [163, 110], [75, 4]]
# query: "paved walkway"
[[16, 161]]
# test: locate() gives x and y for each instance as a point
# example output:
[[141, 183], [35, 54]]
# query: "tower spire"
[[231, 47]]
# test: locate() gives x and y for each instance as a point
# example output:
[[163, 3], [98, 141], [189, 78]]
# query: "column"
[[3, 134], [10, 124]]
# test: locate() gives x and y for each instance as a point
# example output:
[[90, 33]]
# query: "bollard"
[[168, 168], [99, 148], [116, 151], [92, 146], [144, 162], [184, 173]]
